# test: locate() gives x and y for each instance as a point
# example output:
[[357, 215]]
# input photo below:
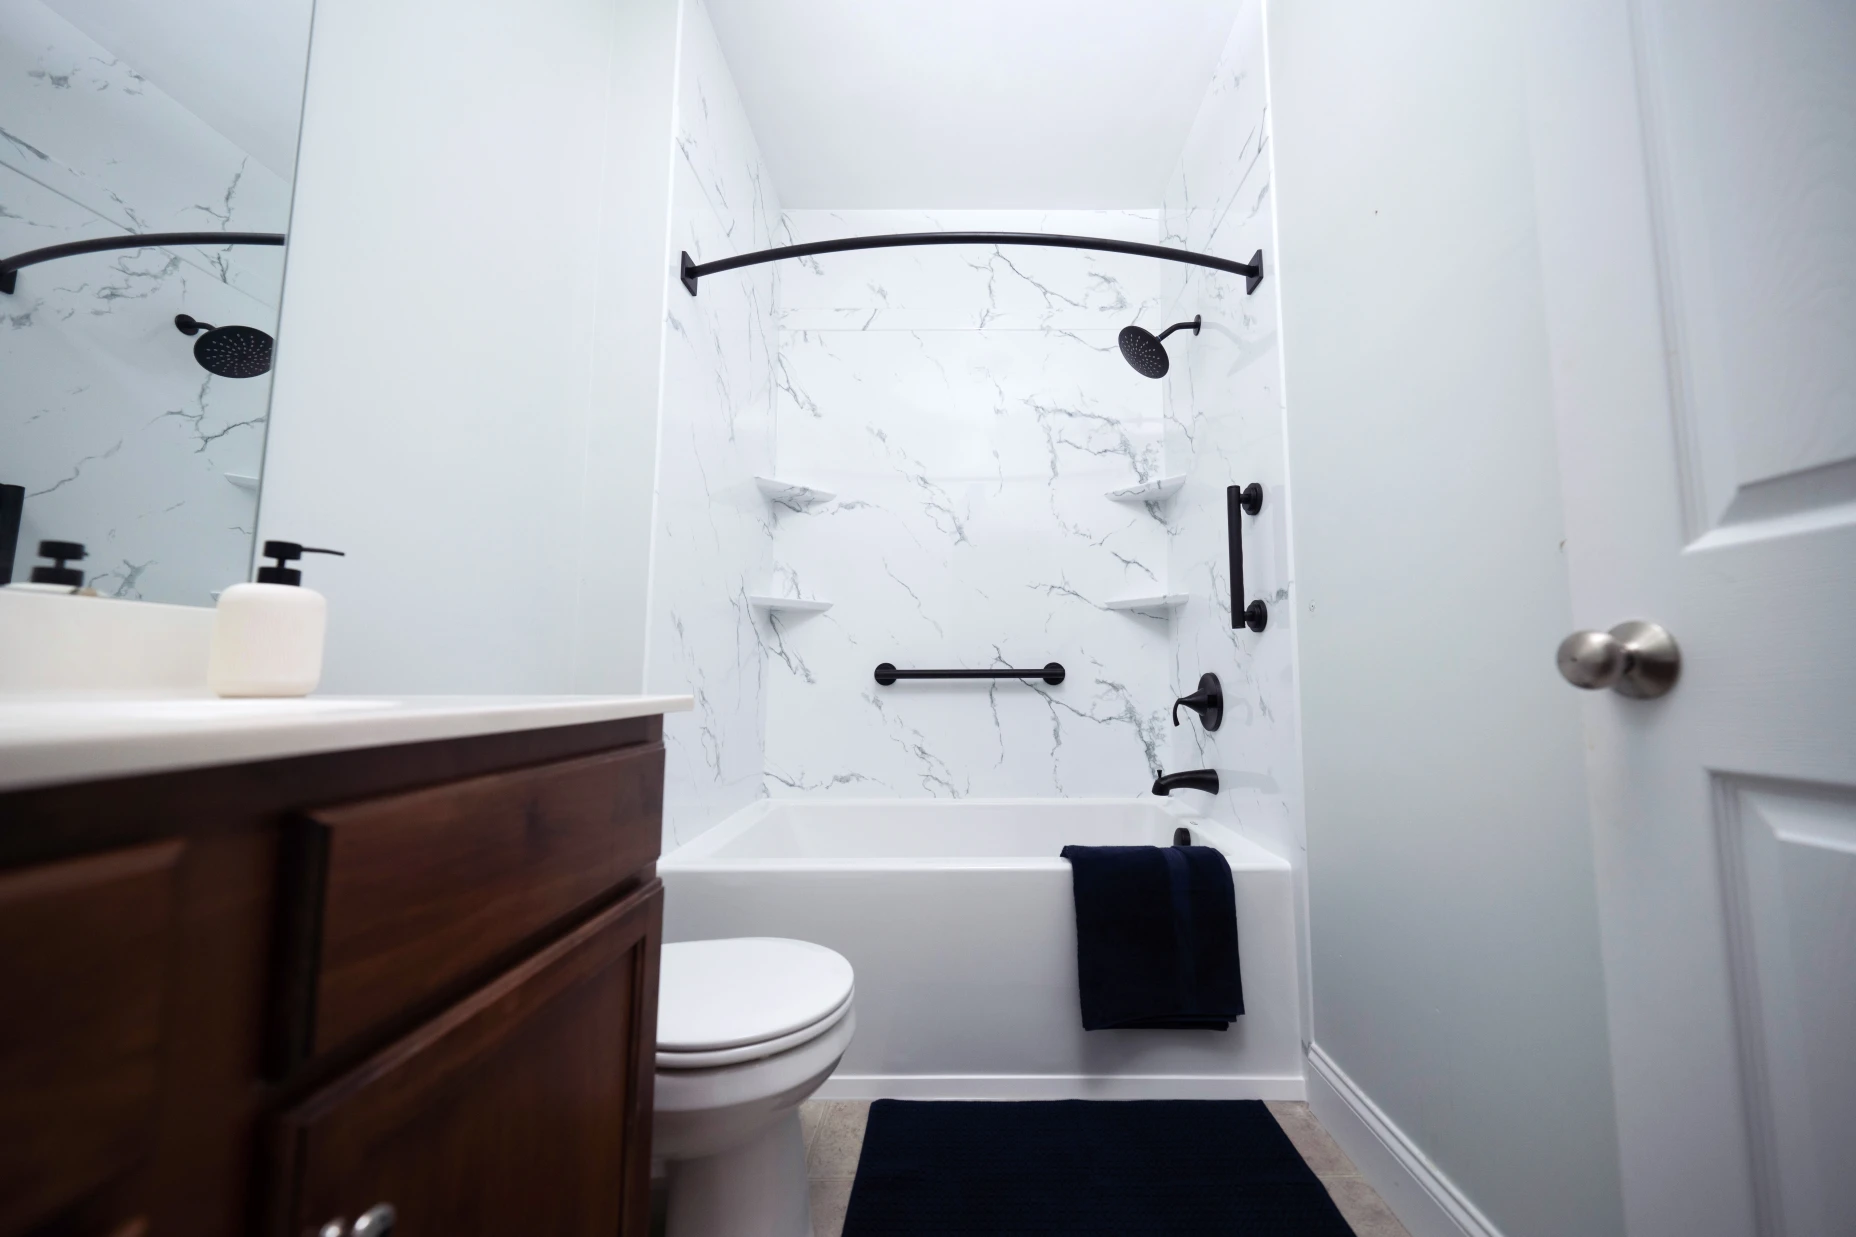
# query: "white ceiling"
[[947, 104], [236, 64]]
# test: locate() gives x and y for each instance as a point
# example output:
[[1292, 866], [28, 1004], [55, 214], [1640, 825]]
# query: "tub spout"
[[1191, 779]]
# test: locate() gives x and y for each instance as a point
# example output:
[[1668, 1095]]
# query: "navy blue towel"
[[1156, 937]]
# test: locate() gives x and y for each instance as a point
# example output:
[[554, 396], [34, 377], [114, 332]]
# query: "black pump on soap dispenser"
[[61, 552], [287, 552], [59, 577], [267, 636]]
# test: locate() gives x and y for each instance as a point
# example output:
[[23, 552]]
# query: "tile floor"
[[834, 1132]]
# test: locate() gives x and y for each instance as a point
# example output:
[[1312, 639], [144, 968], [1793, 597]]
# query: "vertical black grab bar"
[[1237, 500]]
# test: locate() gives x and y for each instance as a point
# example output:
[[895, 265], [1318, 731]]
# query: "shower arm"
[[691, 270], [9, 267]]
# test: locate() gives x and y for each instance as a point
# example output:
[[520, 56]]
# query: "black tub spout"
[[1191, 779]]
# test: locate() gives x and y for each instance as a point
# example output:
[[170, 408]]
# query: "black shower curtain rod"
[[9, 267], [691, 270]]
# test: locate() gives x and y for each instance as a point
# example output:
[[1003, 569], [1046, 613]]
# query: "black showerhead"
[[1143, 350], [229, 351]]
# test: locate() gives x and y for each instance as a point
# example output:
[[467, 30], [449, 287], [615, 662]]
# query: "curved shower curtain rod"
[[691, 270], [9, 267]]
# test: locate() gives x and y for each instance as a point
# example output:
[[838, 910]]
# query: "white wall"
[[972, 104], [467, 370], [1456, 972]]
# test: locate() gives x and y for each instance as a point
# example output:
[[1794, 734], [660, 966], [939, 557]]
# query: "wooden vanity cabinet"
[[82, 945], [511, 1112], [260, 998]]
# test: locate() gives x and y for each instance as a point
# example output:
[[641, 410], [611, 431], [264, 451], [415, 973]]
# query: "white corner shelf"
[[791, 493], [242, 481], [797, 605], [1163, 601], [1157, 491]]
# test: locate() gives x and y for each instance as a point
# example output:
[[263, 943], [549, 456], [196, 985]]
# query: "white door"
[[1695, 167]]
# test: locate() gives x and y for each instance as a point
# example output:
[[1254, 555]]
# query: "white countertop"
[[70, 737]]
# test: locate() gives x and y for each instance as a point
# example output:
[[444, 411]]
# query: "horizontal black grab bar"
[[1052, 674], [691, 270], [9, 267]]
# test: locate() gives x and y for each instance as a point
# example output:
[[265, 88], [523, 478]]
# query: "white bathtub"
[[958, 918]]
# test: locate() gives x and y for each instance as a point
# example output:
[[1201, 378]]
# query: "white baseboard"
[[1427, 1202], [1059, 1087]]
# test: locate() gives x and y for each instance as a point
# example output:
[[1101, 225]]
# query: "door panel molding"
[[1788, 882], [1756, 317]]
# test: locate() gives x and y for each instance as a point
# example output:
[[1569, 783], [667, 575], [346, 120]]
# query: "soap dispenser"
[[267, 637]]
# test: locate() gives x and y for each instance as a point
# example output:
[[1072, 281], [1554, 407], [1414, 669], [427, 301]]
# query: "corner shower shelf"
[[791, 494], [798, 605], [1150, 491], [241, 480], [1165, 601]]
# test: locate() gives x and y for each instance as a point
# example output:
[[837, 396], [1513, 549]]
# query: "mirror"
[[134, 382]]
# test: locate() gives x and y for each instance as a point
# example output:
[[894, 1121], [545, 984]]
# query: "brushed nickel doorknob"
[[1634, 659]]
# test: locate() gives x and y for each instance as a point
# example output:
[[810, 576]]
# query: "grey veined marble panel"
[[970, 410], [959, 415], [713, 534], [1226, 424]]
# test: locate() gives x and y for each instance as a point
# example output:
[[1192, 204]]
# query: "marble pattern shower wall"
[[969, 409], [713, 530], [120, 439], [1225, 424]]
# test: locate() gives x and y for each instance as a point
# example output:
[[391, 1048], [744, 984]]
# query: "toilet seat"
[[728, 1001], [751, 1052]]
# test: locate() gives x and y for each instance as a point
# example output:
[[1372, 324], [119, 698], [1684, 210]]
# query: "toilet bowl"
[[748, 1028]]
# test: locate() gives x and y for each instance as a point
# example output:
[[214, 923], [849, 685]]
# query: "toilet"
[[747, 1029]]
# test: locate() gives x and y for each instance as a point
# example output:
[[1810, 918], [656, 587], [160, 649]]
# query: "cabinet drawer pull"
[[376, 1221]]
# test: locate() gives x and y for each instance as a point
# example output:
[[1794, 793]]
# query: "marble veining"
[[713, 530], [1225, 424], [960, 287], [970, 410], [945, 444], [121, 440]]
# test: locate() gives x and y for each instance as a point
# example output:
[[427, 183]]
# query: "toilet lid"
[[726, 994]]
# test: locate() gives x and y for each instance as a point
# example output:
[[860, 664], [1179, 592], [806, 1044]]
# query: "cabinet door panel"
[[525, 1108], [83, 959]]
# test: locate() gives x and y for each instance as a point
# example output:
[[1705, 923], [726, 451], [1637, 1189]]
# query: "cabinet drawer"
[[84, 947], [524, 1108], [397, 898]]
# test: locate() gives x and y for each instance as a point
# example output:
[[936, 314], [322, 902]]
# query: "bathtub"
[[958, 919]]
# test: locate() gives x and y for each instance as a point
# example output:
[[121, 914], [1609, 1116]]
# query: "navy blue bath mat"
[[1084, 1168]]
